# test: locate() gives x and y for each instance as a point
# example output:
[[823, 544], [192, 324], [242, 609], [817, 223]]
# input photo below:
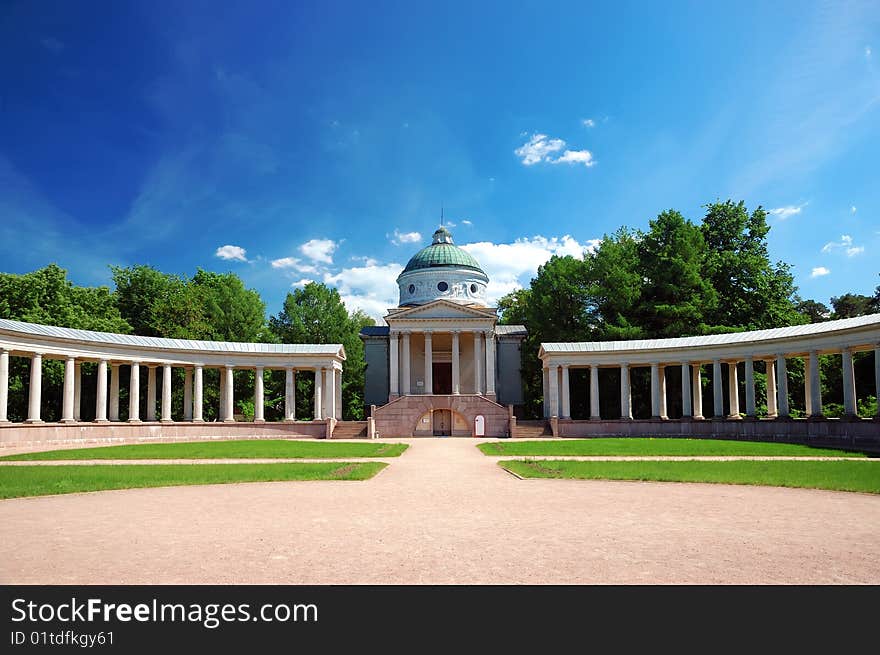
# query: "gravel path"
[[443, 513]]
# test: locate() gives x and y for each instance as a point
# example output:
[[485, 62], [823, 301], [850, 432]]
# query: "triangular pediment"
[[441, 309]]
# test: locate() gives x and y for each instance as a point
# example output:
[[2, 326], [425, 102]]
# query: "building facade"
[[442, 365]]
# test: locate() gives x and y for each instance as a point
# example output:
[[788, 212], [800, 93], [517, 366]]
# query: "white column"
[[782, 386], [490, 364], [289, 394], [697, 385], [429, 363], [733, 389], [770, 365], [655, 390], [626, 408], [393, 372], [478, 362], [456, 365], [405, 366], [686, 407], [258, 396], [151, 393], [188, 394], [877, 378], [221, 397], [166, 393], [77, 391], [338, 383], [101, 393], [750, 387], [554, 389], [198, 393], [318, 383], [663, 414], [229, 402], [849, 385], [67, 397], [545, 390], [4, 385], [814, 386], [329, 393], [718, 395], [134, 393], [566, 391], [594, 393], [114, 392], [35, 391]]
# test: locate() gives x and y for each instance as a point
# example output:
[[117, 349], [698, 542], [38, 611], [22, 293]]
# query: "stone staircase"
[[398, 418], [350, 430], [531, 429]]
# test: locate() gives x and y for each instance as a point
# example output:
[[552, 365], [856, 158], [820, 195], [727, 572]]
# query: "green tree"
[[138, 290], [316, 314], [616, 285], [814, 311], [675, 298], [752, 292], [233, 312], [850, 305]]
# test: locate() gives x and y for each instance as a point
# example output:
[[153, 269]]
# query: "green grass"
[[831, 474], [18, 481], [656, 447], [242, 449]]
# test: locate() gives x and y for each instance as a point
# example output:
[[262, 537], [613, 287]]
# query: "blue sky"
[[296, 141]]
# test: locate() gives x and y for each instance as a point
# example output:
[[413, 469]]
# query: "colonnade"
[[400, 361], [327, 395], [557, 395]]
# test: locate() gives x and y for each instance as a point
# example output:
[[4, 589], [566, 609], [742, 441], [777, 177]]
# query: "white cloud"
[[540, 148], [584, 157], [819, 271], [868, 52], [285, 262], [398, 237], [589, 122], [231, 253], [853, 209], [787, 211], [845, 244], [371, 288], [319, 250], [466, 222], [510, 266], [302, 283]]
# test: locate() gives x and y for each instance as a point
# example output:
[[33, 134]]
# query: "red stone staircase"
[[350, 430], [531, 429]]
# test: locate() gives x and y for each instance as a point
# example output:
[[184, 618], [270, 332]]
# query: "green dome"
[[442, 252]]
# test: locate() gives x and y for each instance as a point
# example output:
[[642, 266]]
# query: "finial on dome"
[[442, 235]]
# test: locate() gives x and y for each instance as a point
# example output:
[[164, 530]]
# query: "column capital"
[[427, 333], [71, 357], [565, 366], [594, 366]]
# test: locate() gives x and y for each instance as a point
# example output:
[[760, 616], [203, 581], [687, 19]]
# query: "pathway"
[[443, 513]]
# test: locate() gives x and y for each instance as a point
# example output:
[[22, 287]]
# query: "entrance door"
[[441, 374], [442, 422]]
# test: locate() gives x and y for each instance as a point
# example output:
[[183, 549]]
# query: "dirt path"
[[444, 513]]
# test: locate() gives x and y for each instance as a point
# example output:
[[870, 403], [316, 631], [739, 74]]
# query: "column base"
[[101, 420], [734, 417], [595, 418], [229, 420], [166, 421], [67, 420], [259, 420], [699, 418], [134, 420], [33, 421], [197, 420], [289, 420], [490, 396]]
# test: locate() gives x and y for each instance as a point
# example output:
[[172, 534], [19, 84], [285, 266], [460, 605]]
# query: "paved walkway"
[[443, 513]]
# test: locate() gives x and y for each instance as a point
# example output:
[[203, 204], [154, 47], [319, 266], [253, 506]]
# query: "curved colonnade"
[[738, 351], [112, 351]]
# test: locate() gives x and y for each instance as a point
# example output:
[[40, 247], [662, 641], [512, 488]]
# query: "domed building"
[[442, 366]]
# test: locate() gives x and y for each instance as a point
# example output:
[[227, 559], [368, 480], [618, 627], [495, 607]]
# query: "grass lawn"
[[835, 475], [242, 449], [17, 481], [657, 447]]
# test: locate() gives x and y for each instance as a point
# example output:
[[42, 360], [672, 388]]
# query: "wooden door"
[[441, 374], [442, 422]]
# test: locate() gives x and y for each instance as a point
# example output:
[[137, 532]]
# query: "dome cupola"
[[442, 270]]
